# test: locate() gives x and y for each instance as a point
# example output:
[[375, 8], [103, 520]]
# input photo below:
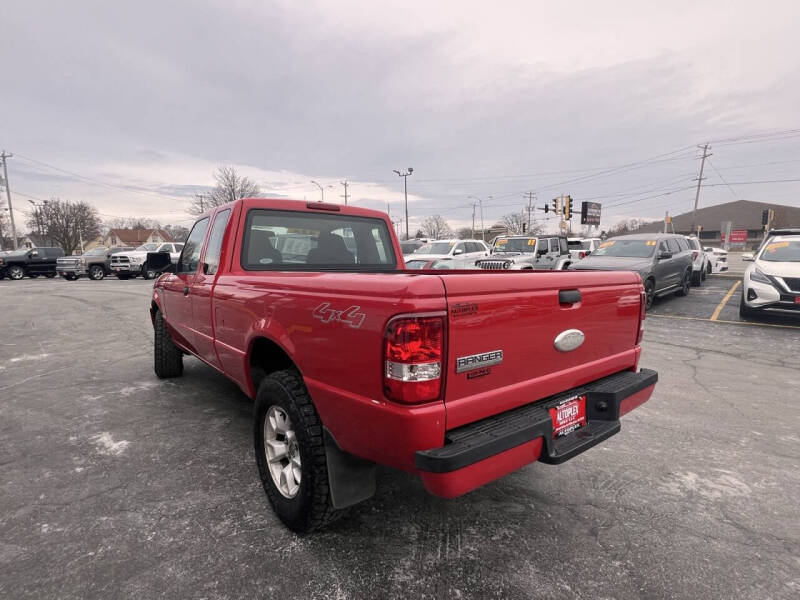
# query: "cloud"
[[481, 99]]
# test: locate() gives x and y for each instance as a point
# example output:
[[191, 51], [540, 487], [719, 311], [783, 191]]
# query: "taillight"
[[582, 255], [642, 316], [695, 254], [413, 359]]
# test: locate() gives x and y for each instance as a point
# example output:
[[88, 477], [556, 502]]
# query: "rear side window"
[[193, 248], [563, 243], [214, 247], [686, 244], [673, 245], [282, 240], [554, 245]]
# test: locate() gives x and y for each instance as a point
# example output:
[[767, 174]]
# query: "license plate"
[[568, 415]]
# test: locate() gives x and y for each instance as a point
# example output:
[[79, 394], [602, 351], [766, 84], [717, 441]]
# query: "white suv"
[[463, 253], [772, 282], [700, 264]]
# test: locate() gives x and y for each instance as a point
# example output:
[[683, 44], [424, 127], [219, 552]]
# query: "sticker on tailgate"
[[568, 415]]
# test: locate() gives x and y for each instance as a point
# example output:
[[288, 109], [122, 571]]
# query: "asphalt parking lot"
[[115, 484]]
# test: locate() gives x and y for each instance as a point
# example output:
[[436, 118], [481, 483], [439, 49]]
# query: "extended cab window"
[[288, 240], [214, 247], [193, 248]]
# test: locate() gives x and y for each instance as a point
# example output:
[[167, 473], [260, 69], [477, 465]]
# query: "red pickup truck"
[[459, 377]]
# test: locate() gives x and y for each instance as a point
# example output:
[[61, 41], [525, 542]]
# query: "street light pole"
[[480, 203], [321, 190], [5, 156], [405, 190]]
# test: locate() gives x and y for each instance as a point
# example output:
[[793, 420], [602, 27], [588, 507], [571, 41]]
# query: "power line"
[[92, 180], [733, 192]]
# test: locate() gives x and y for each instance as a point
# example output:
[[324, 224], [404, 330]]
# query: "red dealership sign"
[[738, 236]]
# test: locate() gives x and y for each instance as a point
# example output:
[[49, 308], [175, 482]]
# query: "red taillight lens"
[[582, 254], [695, 254], [642, 315], [413, 359]]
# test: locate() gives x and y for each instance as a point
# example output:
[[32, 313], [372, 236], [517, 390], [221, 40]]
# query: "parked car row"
[[123, 261]]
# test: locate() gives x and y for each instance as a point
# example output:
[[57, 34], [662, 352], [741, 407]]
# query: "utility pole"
[[531, 196], [5, 156], [405, 175], [666, 220], [344, 183], [201, 198], [472, 232], [699, 182]]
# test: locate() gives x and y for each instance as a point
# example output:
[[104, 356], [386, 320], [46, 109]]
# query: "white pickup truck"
[[134, 262]]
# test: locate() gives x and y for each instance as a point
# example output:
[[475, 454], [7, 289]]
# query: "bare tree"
[[230, 186], [66, 223], [464, 233], [435, 227], [179, 233], [626, 226], [513, 222]]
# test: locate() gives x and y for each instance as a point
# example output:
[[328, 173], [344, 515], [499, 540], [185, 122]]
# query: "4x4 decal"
[[349, 315]]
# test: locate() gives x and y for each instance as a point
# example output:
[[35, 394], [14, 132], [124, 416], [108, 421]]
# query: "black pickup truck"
[[31, 262]]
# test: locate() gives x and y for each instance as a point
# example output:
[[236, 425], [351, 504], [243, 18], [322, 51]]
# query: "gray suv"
[[664, 261]]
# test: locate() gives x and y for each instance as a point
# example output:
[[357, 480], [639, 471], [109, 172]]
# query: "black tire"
[[71, 277], [650, 293], [15, 272], [697, 278], [686, 284], [148, 273], [745, 312], [167, 357], [50, 275], [122, 277], [311, 508], [709, 269], [96, 272]]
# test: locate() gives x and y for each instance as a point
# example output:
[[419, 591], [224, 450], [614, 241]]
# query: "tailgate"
[[520, 314]]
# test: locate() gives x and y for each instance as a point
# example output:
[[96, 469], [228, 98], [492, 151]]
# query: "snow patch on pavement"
[[106, 445]]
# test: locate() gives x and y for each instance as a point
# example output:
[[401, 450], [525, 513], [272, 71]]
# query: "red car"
[[459, 377]]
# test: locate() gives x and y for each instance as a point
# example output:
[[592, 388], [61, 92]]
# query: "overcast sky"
[[136, 103]]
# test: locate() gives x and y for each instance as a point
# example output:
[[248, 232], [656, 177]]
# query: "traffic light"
[[524, 227], [555, 205], [765, 216], [567, 208]]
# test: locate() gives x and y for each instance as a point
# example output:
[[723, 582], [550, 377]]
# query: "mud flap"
[[352, 479]]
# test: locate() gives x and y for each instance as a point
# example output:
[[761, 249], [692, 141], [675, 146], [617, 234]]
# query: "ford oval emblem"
[[569, 340]]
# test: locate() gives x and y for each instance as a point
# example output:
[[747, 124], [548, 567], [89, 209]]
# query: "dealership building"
[[744, 216]]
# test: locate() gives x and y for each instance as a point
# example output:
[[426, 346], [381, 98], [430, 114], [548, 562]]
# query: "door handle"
[[186, 290]]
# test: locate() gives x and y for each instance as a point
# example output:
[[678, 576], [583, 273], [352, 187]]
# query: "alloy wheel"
[[282, 452]]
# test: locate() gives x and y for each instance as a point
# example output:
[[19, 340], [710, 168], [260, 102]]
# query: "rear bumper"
[[490, 448]]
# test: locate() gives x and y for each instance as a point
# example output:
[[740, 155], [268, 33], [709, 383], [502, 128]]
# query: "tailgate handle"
[[569, 296]]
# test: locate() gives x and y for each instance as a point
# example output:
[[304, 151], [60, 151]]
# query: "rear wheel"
[[167, 357], [290, 453], [686, 284], [96, 272], [16, 272]]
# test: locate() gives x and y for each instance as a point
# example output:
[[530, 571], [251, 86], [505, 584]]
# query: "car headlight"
[[136, 260], [756, 275]]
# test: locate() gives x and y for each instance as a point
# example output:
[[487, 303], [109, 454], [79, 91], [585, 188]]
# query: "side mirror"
[[748, 257], [664, 255], [457, 252], [588, 252]]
